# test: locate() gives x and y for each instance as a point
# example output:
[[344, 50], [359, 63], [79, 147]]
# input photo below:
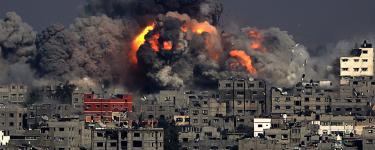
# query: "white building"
[[261, 124], [4, 140], [335, 125], [360, 63]]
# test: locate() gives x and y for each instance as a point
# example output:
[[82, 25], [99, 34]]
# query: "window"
[[284, 136], [113, 144], [370, 131], [228, 85], [239, 85], [358, 100], [356, 69], [287, 99], [369, 141], [318, 99], [364, 60], [136, 134], [260, 125], [205, 121], [345, 69], [61, 129], [254, 92], [204, 112], [251, 85], [356, 60], [11, 115], [240, 93], [317, 107], [99, 144], [307, 107], [195, 120], [137, 143], [364, 51], [11, 124], [345, 60], [287, 107], [99, 134], [307, 99], [277, 107], [364, 69]]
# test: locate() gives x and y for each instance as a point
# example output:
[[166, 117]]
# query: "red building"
[[106, 109]]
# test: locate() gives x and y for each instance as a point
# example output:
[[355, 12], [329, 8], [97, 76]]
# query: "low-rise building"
[[122, 138], [261, 124]]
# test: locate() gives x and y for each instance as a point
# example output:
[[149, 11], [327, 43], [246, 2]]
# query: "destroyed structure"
[[239, 114]]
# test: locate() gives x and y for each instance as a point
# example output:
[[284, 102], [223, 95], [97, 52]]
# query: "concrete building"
[[368, 138], [11, 120], [243, 97], [304, 98], [37, 114], [166, 104], [335, 125], [262, 144], [13, 93], [4, 140], [356, 97], [261, 124], [360, 63], [106, 109], [127, 139], [62, 134]]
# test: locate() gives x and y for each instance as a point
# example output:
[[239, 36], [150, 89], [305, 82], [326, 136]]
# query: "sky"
[[311, 22]]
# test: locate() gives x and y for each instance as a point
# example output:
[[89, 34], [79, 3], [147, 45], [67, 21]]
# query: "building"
[[243, 97], [39, 113], [106, 109], [4, 140], [303, 98], [13, 93], [123, 139], [62, 134], [261, 124], [255, 144], [368, 138], [335, 125], [360, 63], [11, 120]]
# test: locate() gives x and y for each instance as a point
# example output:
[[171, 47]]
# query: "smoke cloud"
[[183, 48]]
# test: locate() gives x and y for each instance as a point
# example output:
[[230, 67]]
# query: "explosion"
[[199, 28], [179, 49], [167, 45], [245, 60], [257, 40], [138, 41]]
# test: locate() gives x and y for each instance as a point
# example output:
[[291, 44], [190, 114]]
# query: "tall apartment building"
[[11, 119], [243, 97], [305, 97], [13, 93], [360, 63], [356, 83]]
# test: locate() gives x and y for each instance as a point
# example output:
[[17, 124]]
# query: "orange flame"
[[137, 42], [244, 59], [154, 42], [167, 45], [257, 43], [199, 28]]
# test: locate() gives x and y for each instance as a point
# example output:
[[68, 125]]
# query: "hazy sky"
[[311, 22]]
